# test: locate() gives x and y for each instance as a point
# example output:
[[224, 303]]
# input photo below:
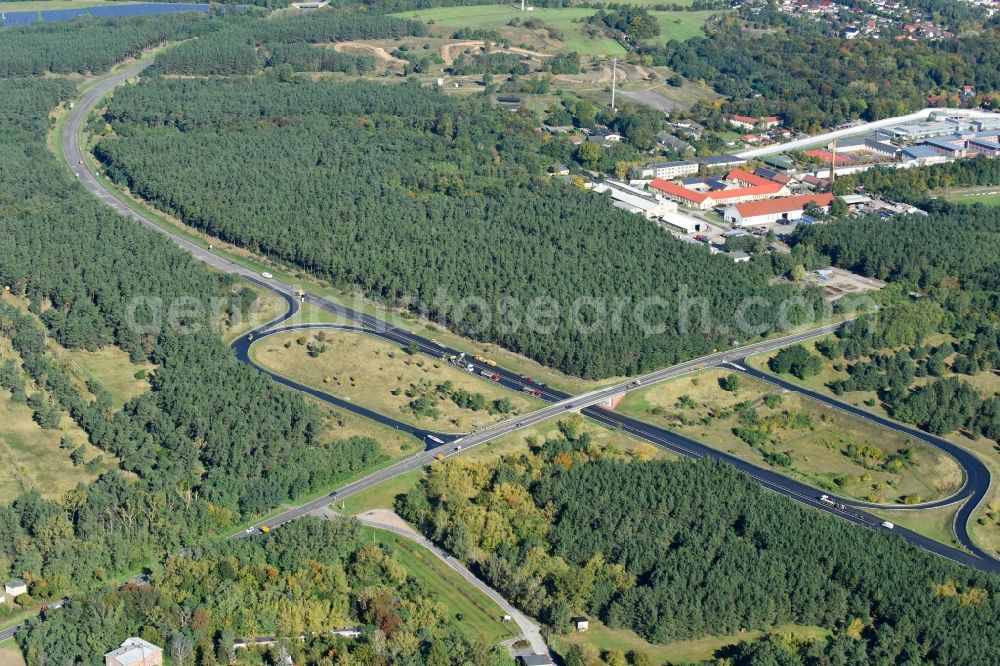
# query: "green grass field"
[[985, 199], [601, 638], [680, 25], [111, 368], [817, 452], [30, 457], [933, 523], [495, 17], [570, 21], [471, 611], [378, 375]]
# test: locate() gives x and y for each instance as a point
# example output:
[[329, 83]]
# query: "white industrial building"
[[634, 200], [668, 170], [772, 210]]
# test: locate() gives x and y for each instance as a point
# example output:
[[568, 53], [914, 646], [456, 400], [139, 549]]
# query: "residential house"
[[14, 588], [743, 122], [135, 652], [668, 140]]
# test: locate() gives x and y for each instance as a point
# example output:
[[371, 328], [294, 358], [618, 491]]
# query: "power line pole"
[[614, 82]]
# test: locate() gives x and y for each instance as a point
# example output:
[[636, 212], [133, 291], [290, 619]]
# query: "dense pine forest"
[[246, 43], [415, 196], [676, 550], [946, 270], [211, 443], [92, 46], [308, 577]]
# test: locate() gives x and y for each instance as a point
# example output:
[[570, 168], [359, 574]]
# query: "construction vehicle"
[[265, 529], [479, 358], [301, 293], [439, 456], [490, 362]]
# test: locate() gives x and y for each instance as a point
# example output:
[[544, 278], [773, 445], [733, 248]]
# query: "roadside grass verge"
[[815, 438], [472, 612]]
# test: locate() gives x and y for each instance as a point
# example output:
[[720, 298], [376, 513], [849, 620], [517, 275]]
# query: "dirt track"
[[376, 51], [448, 50]]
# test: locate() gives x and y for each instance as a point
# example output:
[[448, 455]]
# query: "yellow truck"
[[439, 456], [479, 358], [265, 529], [490, 362]]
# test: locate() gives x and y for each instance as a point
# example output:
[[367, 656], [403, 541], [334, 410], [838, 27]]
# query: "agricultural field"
[[600, 638], [799, 437], [386, 378]]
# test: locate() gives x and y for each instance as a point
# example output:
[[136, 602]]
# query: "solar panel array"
[[14, 19]]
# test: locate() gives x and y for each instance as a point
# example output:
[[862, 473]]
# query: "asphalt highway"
[[977, 475], [560, 402]]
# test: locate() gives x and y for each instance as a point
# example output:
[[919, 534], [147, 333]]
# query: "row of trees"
[[915, 184], [212, 442], [679, 550], [321, 174]]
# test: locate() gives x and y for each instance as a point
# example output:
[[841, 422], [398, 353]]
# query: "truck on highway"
[[479, 358], [439, 456], [490, 362], [825, 499], [265, 529]]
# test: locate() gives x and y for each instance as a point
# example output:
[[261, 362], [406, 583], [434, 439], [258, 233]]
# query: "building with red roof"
[[746, 122], [746, 187], [773, 210]]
